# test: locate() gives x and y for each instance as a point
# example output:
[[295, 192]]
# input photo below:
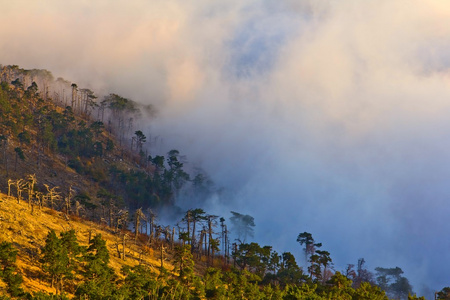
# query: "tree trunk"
[[193, 236], [172, 240], [162, 255], [118, 250], [123, 245]]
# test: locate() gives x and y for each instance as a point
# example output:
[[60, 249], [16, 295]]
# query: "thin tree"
[[138, 217], [140, 140], [151, 217], [74, 95], [20, 184], [19, 154], [68, 200], [306, 239], [10, 183], [124, 240], [52, 195], [31, 183], [212, 243], [194, 216]]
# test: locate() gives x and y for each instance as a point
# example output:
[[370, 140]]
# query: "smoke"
[[322, 116]]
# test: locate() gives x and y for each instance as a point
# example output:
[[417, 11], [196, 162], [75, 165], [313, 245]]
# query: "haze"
[[331, 117]]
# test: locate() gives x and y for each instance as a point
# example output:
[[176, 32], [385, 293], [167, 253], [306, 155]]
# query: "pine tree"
[[9, 273], [98, 275], [55, 260], [183, 258]]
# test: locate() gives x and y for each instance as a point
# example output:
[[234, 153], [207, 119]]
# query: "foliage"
[[61, 258], [242, 225], [391, 281], [444, 294], [184, 262], [9, 272]]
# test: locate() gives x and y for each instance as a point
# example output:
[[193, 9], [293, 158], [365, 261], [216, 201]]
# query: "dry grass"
[[27, 231]]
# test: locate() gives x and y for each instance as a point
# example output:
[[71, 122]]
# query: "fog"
[[330, 117]]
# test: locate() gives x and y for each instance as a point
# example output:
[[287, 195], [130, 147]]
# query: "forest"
[[66, 150]]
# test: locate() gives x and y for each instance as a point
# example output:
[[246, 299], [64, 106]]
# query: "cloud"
[[324, 116]]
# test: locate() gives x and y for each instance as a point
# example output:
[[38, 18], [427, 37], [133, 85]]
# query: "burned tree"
[[20, 184], [68, 200], [74, 95], [31, 183], [10, 183], [52, 195]]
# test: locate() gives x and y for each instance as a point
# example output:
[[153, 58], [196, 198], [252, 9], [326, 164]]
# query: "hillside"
[[27, 231], [75, 173]]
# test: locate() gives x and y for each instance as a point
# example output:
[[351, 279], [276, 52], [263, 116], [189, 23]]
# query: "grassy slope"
[[27, 231]]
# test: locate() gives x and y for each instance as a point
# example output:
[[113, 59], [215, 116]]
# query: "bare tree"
[[138, 217], [74, 95], [20, 184], [123, 245], [162, 253], [10, 183], [151, 217], [40, 198], [4, 138], [31, 183], [52, 195], [78, 208], [224, 237], [200, 243], [122, 219], [111, 213], [68, 200]]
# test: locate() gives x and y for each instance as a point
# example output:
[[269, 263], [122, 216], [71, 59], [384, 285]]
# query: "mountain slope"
[[27, 229]]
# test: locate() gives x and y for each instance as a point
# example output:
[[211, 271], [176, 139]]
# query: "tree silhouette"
[[74, 96], [242, 226], [306, 239], [140, 140], [194, 216], [392, 281], [139, 216], [19, 154]]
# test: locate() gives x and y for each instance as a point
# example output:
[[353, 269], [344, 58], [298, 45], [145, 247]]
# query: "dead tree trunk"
[[162, 255], [123, 245], [10, 182], [31, 183]]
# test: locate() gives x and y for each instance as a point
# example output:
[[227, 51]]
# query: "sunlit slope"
[[27, 230]]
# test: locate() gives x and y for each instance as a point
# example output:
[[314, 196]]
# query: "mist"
[[323, 116]]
